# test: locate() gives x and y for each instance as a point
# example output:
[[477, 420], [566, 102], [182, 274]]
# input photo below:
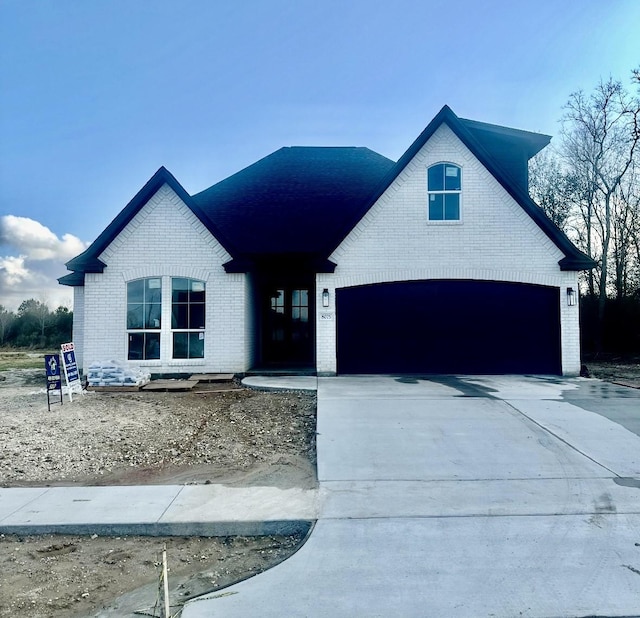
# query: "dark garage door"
[[448, 327]]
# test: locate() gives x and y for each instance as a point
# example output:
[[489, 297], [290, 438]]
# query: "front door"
[[287, 326]]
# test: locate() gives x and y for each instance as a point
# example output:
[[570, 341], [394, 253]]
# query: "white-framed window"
[[444, 185], [188, 308], [144, 318]]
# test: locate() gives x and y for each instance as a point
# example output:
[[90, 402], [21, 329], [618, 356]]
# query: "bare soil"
[[73, 576], [621, 371], [238, 437]]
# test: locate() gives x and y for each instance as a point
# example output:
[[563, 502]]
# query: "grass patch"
[[11, 358]]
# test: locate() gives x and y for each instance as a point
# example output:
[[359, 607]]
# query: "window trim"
[[445, 192]]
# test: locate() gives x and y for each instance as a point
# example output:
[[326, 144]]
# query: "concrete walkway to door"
[[478, 496]]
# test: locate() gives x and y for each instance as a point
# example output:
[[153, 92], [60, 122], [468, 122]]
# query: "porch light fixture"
[[572, 297], [325, 297]]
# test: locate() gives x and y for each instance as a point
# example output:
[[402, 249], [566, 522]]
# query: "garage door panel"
[[448, 327]]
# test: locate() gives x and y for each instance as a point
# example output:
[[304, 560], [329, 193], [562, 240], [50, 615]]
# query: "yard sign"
[[54, 383], [71, 372]]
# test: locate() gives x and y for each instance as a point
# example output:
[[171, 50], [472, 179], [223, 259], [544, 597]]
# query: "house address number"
[[326, 316]]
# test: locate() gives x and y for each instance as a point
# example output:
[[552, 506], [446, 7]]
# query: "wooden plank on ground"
[[212, 377], [170, 385], [114, 389]]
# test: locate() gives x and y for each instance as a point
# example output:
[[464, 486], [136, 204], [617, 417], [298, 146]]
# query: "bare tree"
[[626, 234], [600, 137], [549, 187]]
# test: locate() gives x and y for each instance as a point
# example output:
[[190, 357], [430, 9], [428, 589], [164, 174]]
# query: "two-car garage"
[[448, 326]]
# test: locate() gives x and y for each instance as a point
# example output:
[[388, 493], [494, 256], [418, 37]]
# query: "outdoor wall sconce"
[[325, 297], [572, 297]]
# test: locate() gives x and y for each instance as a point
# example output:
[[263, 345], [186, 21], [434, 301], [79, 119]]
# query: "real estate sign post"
[[71, 373], [54, 383]]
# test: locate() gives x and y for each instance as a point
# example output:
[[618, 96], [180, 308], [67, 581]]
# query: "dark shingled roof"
[[297, 204], [297, 200]]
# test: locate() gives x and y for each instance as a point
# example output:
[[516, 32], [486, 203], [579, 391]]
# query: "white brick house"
[[340, 260]]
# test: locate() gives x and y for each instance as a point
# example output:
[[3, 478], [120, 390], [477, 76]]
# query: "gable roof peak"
[[501, 150], [88, 260]]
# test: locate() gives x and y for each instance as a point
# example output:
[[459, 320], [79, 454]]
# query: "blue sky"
[[96, 95]]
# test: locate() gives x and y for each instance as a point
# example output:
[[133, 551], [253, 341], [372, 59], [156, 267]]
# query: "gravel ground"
[[241, 437]]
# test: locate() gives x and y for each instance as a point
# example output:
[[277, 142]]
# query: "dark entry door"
[[287, 332], [448, 327]]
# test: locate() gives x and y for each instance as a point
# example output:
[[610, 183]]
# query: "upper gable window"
[[444, 182]]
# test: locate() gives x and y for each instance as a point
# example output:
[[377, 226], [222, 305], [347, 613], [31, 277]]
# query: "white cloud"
[[13, 270], [38, 242], [32, 259]]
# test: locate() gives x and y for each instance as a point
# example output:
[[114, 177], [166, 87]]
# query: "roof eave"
[[577, 263], [86, 263], [74, 279]]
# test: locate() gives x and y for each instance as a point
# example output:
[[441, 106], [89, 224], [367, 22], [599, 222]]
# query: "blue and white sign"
[[54, 382], [71, 372], [52, 367]]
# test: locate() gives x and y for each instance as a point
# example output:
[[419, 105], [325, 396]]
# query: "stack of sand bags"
[[116, 373]]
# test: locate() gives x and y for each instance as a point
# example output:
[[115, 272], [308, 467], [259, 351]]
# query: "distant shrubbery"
[[619, 333], [35, 326]]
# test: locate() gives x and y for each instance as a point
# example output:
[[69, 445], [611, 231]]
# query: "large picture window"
[[188, 317], [444, 185], [144, 315]]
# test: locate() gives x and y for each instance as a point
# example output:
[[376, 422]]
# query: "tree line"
[[589, 185], [34, 325]]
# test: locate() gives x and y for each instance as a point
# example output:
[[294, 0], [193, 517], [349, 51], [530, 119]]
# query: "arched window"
[[444, 182]]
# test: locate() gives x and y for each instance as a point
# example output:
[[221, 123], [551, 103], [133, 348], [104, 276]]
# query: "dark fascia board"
[[574, 259], [238, 265], [74, 279], [88, 260]]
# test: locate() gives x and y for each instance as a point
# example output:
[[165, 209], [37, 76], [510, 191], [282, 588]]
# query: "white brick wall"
[[165, 239], [495, 240], [78, 323]]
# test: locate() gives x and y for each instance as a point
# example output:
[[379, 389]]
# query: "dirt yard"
[[240, 437]]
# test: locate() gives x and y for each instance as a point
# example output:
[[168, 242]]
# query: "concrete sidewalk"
[[158, 510]]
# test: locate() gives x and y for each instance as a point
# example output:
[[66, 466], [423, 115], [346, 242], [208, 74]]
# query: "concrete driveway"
[[479, 496]]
